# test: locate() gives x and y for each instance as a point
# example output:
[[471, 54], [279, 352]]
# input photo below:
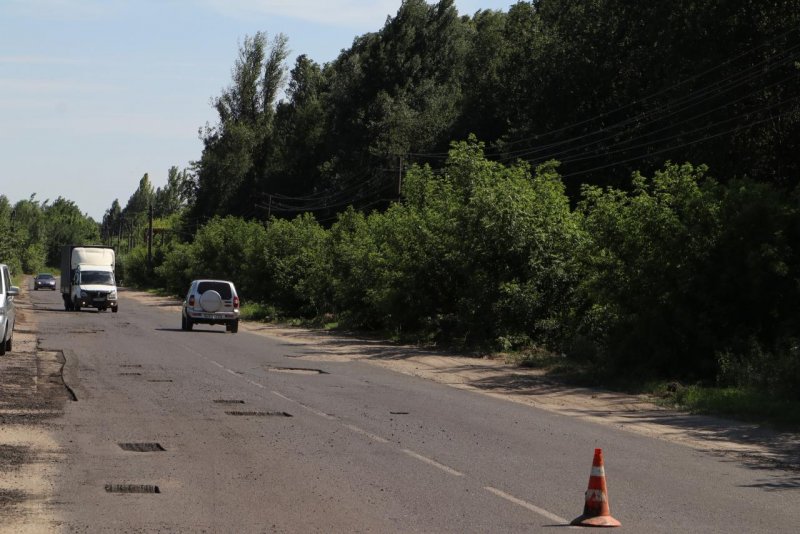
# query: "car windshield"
[[223, 288], [97, 277], [44, 276]]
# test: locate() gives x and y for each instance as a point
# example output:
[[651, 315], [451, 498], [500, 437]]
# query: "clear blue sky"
[[95, 93]]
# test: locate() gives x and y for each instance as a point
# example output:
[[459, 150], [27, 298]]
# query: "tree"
[[111, 226], [238, 149], [66, 225], [172, 197]]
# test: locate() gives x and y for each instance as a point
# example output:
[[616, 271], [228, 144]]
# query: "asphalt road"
[[255, 440]]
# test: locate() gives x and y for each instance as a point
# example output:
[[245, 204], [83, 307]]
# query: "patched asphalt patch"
[[259, 414], [142, 447], [132, 488]]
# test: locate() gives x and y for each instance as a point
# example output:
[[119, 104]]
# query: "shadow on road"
[[195, 331]]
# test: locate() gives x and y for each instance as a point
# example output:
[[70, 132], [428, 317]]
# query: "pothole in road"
[[259, 414], [130, 365], [142, 447], [160, 380], [130, 374], [11, 497], [296, 370], [228, 401], [131, 488], [12, 456]]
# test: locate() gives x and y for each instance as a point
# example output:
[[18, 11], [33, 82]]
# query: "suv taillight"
[[191, 301], [235, 303]]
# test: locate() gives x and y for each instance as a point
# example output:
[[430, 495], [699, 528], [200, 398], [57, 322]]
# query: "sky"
[[96, 93]]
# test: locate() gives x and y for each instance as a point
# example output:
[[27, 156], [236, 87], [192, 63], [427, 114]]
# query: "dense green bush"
[[295, 273], [641, 262], [684, 277], [132, 268]]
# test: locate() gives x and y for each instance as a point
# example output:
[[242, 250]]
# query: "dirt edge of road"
[[749, 443], [32, 397]]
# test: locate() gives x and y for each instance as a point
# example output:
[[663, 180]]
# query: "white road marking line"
[[281, 395], [256, 384], [434, 463], [215, 363], [316, 412], [234, 373], [533, 508], [365, 433]]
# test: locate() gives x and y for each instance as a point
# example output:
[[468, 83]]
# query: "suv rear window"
[[224, 289]]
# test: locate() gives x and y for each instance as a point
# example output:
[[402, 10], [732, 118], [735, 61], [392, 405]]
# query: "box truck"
[[87, 277]]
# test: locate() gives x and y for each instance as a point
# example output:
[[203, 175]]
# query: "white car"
[[7, 310], [211, 302]]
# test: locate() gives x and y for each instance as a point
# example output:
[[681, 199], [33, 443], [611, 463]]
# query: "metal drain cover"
[[132, 488], [259, 414], [142, 447]]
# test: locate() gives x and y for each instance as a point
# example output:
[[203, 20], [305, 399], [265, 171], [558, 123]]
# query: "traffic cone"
[[596, 512]]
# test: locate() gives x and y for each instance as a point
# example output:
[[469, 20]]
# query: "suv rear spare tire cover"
[[210, 301]]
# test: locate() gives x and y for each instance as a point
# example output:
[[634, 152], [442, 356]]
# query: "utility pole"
[[399, 176], [150, 239]]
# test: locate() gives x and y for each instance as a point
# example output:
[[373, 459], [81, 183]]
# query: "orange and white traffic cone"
[[596, 512]]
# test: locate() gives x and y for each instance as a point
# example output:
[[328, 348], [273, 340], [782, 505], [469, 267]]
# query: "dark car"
[[44, 281]]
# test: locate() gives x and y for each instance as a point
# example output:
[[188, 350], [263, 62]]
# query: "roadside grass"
[[267, 313], [158, 292], [740, 403], [746, 404], [255, 311]]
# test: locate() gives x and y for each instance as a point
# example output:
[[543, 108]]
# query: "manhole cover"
[[296, 370], [132, 488], [259, 414], [228, 401], [142, 447]]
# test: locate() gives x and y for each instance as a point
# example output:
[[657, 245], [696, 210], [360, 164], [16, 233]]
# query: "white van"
[[7, 311]]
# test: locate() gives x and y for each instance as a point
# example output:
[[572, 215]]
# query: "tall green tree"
[[171, 198], [238, 149]]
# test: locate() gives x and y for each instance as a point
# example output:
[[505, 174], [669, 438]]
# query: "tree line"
[[509, 180]]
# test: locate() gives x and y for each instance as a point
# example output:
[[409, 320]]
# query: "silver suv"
[[7, 311], [211, 302]]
